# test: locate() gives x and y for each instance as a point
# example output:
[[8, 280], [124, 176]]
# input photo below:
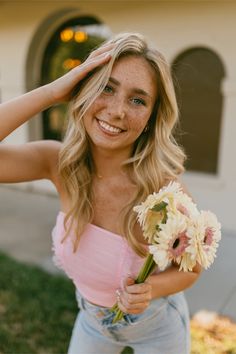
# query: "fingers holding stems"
[[135, 298]]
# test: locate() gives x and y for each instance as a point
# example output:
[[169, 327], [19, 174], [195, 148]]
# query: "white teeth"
[[109, 128]]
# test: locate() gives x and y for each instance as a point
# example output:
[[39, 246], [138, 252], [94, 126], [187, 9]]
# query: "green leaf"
[[160, 206], [164, 220]]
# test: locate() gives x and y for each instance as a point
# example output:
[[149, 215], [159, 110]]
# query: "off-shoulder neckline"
[[98, 228]]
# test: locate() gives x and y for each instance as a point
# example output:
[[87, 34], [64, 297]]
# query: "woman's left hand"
[[134, 298]]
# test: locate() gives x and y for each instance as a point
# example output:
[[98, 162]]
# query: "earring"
[[146, 129]]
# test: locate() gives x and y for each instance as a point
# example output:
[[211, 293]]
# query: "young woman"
[[118, 149]]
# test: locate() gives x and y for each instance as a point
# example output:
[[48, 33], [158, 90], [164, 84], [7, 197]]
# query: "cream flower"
[[149, 215], [185, 205], [207, 236], [172, 242], [151, 224], [165, 194], [188, 261], [176, 230]]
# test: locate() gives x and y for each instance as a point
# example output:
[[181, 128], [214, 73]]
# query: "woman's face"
[[119, 115]]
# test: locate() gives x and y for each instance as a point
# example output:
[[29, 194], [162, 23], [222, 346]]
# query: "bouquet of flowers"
[[176, 231]]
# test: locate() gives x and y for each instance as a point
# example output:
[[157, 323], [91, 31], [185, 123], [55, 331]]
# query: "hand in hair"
[[60, 90]]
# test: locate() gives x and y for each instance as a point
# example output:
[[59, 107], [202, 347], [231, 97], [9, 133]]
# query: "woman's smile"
[[108, 128]]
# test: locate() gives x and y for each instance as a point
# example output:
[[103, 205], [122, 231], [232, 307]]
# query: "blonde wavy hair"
[[156, 157]]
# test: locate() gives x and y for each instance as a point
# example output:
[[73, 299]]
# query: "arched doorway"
[[43, 46], [68, 47], [198, 74]]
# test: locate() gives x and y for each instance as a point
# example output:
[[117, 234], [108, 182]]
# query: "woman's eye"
[[108, 89], [138, 101]]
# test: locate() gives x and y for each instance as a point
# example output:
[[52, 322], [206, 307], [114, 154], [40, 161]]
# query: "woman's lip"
[[108, 128]]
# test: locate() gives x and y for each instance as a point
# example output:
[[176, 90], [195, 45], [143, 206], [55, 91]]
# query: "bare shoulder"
[[50, 149], [47, 150]]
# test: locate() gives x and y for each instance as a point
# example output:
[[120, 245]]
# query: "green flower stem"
[[147, 268], [114, 308], [119, 315]]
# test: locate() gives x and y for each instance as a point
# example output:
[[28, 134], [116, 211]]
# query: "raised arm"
[[19, 110], [35, 160]]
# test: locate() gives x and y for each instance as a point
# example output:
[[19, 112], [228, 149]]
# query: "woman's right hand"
[[15, 112], [60, 89]]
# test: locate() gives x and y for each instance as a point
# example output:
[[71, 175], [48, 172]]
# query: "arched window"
[[67, 48], [198, 74]]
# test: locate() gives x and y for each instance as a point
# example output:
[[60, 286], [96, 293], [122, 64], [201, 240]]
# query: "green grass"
[[37, 312]]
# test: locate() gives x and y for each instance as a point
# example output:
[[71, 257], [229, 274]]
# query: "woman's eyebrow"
[[136, 90], [114, 81]]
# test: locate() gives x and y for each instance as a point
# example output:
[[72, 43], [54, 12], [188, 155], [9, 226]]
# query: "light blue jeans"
[[163, 328]]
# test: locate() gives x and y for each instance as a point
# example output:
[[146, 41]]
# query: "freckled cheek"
[[97, 105], [137, 124]]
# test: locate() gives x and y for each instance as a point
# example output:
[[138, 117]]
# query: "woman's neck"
[[108, 164]]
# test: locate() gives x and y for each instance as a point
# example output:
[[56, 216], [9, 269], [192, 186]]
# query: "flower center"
[[208, 238], [179, 244], [176, 243]]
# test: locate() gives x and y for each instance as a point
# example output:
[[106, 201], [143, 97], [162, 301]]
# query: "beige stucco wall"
[[173, 26]]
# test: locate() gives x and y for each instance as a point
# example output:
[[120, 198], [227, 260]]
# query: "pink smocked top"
[[99, 266]]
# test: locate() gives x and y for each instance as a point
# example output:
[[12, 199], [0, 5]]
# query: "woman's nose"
[[117, 108]]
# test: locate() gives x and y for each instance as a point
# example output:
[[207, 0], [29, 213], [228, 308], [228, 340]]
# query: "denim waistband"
[[162, 328], [105, 316]]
